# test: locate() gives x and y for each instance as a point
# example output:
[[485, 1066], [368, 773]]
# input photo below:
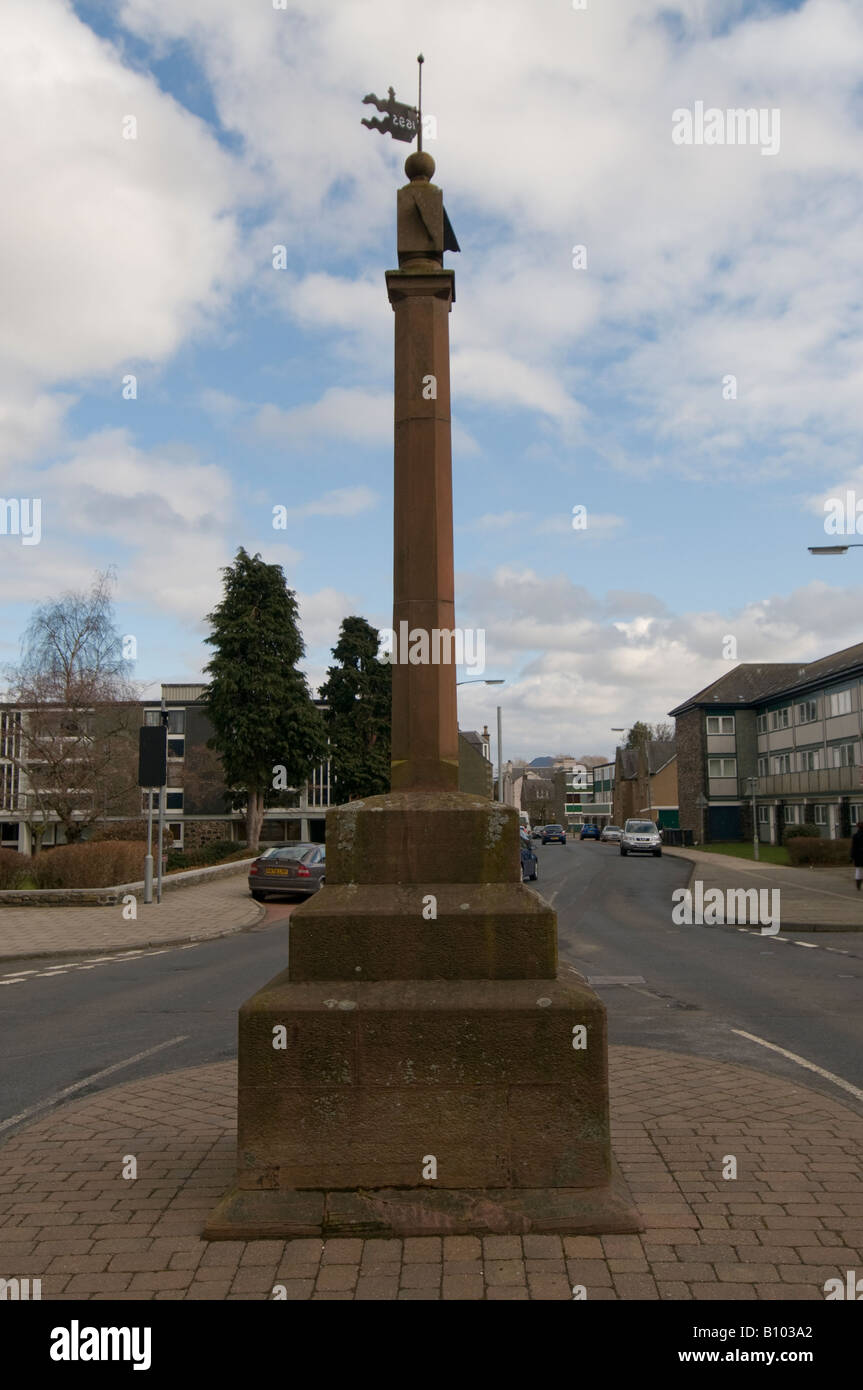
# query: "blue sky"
[[600, 386]]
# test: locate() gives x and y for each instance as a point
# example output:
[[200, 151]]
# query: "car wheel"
[[623, 851], [258, 896], [657, 854]]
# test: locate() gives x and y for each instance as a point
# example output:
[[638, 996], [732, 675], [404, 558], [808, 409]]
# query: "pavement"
[[724, 1045], [197, 913], [791, 1218], [822, 899]]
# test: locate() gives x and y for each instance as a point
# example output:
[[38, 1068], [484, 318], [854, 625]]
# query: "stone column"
[[424, 1064], [424, 727]]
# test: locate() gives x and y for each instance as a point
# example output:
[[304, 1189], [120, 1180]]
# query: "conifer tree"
[[258, 702], [358, 692]]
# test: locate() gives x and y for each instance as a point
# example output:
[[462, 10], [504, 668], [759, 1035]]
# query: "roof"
[[660, 752], [754, 682], [473, 737]]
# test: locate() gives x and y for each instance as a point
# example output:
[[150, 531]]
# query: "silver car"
[[611, 833], [641, 837], [296, 868]]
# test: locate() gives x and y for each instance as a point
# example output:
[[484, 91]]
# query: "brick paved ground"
[[196, 913], [792, 1219], [809, 897]]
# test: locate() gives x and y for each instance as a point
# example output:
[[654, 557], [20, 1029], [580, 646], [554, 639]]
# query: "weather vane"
[[402, 122]]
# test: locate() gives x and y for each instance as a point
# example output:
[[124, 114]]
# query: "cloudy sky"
[[695, 381]]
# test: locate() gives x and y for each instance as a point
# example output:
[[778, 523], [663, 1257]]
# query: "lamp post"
[[499, 752], [753, 785], [616, 730]]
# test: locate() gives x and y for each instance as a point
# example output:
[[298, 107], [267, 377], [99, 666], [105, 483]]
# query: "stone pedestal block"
[[394, 1039]]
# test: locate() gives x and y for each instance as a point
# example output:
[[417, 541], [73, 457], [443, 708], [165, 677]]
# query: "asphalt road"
[[699, 984], [94, 1024]]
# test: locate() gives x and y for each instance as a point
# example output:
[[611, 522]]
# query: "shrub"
[[13, 867], [808, 828], [119, 830], [96, 864], [217, 852], [803, 849]]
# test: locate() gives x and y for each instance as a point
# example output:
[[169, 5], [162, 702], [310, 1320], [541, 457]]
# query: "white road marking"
[[88, 1081], [836, 951], [802, 1062], [20, 975], [811, 944]]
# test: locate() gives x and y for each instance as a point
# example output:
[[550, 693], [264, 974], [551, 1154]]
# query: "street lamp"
[[499, 752], [835, 549]]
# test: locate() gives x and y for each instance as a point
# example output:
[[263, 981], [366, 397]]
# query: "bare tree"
[[79, 721]]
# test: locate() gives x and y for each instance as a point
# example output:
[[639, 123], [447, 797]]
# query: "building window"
[[762, 767], [764, 815], [720, 723], [10, 734], [820, 815], [722, 767], [856, 813], [839, 703], [173, 801], [176, 829], [8, 787], [176, 719], [779, 718], [792, 815], [176, 747], [761, 724], [781, 762], [843, 754], [807, 712], [809, 760]]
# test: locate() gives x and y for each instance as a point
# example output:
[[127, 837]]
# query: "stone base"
[[425, 1211]]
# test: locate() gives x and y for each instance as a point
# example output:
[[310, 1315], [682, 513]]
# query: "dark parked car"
[[296, 868], [529, 861], [552, 834], [589, 832]]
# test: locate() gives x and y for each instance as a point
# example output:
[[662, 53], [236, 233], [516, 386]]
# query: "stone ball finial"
[[419, 165]]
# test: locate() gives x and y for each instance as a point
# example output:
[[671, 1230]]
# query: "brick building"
[[791, 732]]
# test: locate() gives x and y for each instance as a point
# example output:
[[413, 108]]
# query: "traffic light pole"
[[148, 862], [162, 798]]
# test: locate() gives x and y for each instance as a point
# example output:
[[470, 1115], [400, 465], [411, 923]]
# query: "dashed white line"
[[812, 945], [802, 1062]]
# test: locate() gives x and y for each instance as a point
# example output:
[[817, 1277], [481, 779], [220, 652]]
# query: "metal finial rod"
[[420, 61]]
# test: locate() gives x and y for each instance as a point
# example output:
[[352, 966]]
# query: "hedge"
[[813, 850], [87, 865]]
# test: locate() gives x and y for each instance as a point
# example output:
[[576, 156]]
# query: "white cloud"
[[342, 501], [114, 249], [341, 413]]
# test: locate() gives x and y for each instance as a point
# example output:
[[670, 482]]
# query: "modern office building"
[[196, 811]]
